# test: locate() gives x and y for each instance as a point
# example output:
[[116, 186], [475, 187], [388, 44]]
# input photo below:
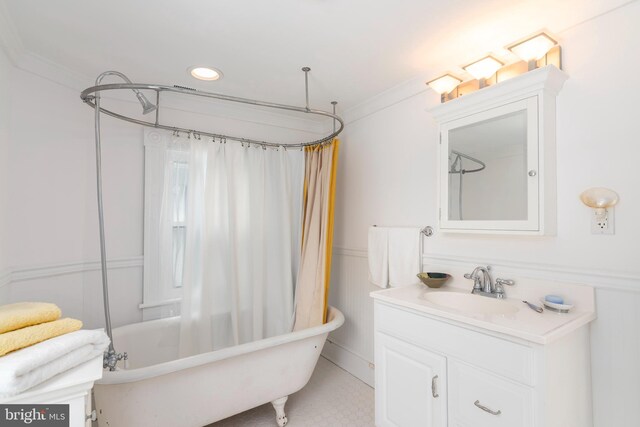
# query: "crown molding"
[[9, 39], [30, 62], [388, 98], [27, 61]]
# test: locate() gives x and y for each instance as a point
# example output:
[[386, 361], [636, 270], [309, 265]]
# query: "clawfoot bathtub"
[[158, 389]]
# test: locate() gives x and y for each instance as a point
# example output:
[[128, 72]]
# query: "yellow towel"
[[23, 314], [15, 340]]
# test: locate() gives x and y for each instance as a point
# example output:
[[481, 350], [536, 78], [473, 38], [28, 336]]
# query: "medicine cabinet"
[[496, 161]]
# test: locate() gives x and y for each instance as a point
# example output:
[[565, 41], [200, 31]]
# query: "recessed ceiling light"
[[205, 73]]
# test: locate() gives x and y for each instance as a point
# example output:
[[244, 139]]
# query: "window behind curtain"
[[166, 162], [179, 183]]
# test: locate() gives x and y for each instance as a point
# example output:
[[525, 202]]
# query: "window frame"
[[158, 300]]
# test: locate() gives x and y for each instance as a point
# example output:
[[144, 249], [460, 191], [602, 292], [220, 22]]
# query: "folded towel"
[[23, 314], [378, 256], [15, 340], [404, 256], [33, 365]]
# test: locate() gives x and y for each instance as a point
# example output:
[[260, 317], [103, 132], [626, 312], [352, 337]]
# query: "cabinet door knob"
[[485, 409], [434, 391], [533, 172]]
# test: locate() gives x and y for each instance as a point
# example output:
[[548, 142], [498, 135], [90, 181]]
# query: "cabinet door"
[[490, 171], [411, 385]]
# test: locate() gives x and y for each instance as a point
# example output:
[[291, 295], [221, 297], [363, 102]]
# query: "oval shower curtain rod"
[[90, 95]]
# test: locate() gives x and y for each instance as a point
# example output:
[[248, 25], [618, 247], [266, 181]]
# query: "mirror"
[[488, 169], [496, 157]]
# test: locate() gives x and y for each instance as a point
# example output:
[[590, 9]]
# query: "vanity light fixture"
[[444, 85], [483, 68], [533, 48], [534, 51], [205, 73], [602, 200]]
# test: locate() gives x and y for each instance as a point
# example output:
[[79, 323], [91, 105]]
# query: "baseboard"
[[350, 362]]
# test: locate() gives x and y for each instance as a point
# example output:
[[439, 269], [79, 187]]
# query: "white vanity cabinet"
[[437, 371]]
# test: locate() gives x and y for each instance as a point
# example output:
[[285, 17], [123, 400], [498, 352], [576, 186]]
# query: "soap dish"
[[433, 280], [560, 308]]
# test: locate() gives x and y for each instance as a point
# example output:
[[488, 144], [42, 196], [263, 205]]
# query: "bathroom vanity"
[[445, 357]]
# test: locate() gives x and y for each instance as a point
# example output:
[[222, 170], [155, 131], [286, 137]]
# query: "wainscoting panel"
[[351, 346], [76, 287], [615, 352]]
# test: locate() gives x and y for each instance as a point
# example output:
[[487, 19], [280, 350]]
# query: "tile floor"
[[333, 398]]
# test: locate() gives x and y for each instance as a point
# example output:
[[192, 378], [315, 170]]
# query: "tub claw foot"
[[278, 405]]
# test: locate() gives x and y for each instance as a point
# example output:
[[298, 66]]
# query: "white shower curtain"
[[243, 225]]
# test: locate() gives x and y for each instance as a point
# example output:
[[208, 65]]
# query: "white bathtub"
[[157, 389]]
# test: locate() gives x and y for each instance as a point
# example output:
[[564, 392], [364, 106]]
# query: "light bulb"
[[600, 199], [444, 84], [534, 47], [484, 68], [205, 73]]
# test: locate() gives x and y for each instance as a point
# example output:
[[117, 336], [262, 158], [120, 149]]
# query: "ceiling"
[[356, 49]]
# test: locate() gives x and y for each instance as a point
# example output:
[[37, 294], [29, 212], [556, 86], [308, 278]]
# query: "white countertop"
[[540, 328]]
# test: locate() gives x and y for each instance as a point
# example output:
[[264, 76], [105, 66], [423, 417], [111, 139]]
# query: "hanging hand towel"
[[15, 340], [33, 365], [378, 256], [404, 256], [23, 314]]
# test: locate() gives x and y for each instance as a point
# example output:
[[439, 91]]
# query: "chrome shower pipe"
[[89, 95], [110, 358], [306, 86], [333, 103]]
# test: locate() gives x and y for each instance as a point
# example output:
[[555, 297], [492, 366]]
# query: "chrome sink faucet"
[[483, 284]]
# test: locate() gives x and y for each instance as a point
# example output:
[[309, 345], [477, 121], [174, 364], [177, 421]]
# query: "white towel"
[[404, 256], [30, 366], [378, 256]]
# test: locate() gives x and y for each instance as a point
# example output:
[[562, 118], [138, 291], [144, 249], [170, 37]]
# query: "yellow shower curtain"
[[312, 290]]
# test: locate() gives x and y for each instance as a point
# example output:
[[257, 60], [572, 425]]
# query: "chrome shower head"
[[147, 106]]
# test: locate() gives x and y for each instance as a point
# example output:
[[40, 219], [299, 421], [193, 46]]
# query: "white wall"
[[387, 175], [48, 219], [5, 79]]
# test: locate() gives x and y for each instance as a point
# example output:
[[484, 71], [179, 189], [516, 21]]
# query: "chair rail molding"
[[598, 278], [22, 273]]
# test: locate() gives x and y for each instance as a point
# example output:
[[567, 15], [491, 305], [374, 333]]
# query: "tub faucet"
[[111, 358]]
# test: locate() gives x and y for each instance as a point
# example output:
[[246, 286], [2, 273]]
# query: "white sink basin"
[[469, 303]]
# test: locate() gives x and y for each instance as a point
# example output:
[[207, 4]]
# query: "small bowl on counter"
[[434, 280]]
